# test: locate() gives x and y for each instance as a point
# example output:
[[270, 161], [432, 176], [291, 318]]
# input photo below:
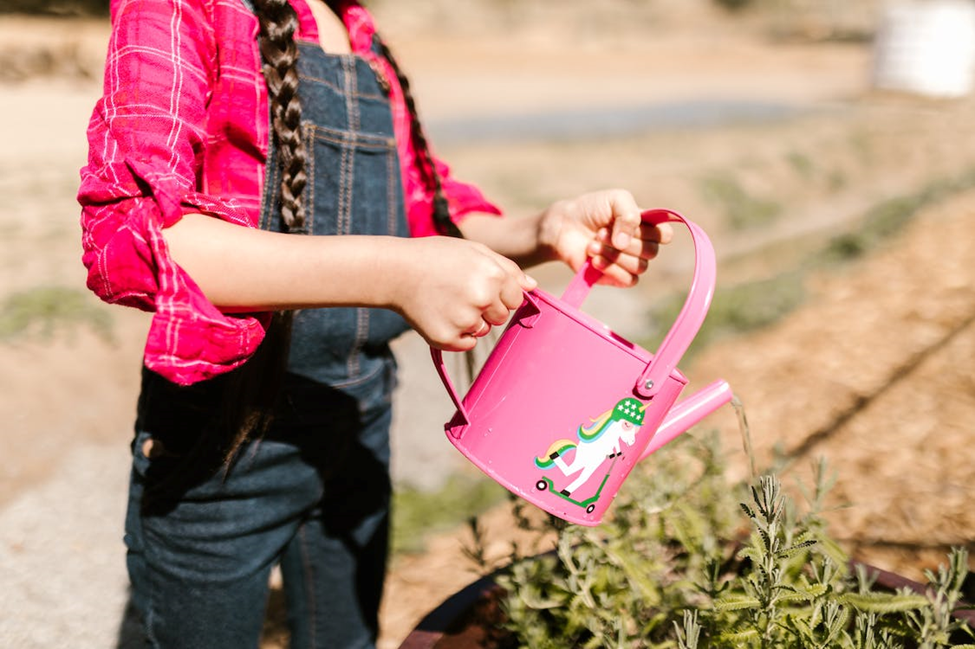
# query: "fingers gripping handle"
[[529, 311], [691, 316]]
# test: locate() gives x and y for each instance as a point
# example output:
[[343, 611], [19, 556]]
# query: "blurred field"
[[762, 127]]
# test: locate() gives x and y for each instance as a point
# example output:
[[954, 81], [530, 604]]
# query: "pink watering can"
[[564, 408]]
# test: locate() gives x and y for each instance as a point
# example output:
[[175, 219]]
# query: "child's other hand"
[[453, 290], [607, 227]]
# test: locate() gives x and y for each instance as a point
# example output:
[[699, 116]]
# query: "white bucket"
[[926, 47]]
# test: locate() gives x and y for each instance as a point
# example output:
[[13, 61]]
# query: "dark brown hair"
[[441, 211], [253, 388], [278, 22]]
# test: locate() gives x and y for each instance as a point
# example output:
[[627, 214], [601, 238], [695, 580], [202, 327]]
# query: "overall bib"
[[313, 493]]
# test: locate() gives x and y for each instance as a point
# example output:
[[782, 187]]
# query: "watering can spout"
[[689, 412]]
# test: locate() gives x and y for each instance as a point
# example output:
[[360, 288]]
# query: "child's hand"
[[453, 290], [606, 226]]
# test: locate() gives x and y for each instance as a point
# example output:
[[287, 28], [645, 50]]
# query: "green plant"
[[742, 210], [45, 310], [751, 305], [934, 624], [889, 217], [881, 222], [836, 180], [417, 513], [680, 564], [802, 164], [56, 7], [733, 5], [736, 308]]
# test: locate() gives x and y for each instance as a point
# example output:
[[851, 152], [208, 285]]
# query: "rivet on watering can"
[[648, 385]]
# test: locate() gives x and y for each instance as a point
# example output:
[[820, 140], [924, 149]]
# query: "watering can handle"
[[691, 316], [449, 384]]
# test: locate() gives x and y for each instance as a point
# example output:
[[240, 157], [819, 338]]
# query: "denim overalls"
[[313, 493]]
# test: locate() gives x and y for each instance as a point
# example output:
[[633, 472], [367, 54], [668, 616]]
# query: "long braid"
[[253, 389], [278, 23], [441, 211]]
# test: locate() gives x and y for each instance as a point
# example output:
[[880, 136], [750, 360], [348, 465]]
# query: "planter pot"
[[465, 620], [468, 618]]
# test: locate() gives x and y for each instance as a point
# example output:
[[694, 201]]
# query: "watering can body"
[[564, 408]]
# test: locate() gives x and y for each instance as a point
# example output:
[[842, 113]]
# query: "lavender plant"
[[691, 561]]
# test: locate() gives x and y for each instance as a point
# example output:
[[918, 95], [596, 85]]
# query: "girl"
[[234, 139]]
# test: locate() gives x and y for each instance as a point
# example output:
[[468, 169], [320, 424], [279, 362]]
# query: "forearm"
[[244, 269], [525, 240]]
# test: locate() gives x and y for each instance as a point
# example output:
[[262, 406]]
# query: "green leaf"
[[738, 638], [874, 602], [799, 547], [736, 603]]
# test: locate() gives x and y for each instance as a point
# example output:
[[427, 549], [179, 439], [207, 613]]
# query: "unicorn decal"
[[602, 440]]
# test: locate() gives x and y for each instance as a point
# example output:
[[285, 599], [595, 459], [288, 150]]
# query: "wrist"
[[396, 260], [548, 229]]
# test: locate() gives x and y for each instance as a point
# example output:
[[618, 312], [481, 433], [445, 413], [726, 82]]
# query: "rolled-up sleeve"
[[146, 146]]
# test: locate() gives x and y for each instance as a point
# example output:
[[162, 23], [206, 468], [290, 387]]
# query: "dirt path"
[[882, 388]]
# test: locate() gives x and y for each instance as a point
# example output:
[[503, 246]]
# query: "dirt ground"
[[873, 371]]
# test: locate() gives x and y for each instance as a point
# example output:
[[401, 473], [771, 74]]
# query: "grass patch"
[[735, 309], [418, 514], [748, 306], [802, 164], [836, 180], [742, 210], [44, 311], [887, 218], [881, 222]]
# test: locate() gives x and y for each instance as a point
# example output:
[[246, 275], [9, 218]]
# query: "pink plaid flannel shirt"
[[182, 127]]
